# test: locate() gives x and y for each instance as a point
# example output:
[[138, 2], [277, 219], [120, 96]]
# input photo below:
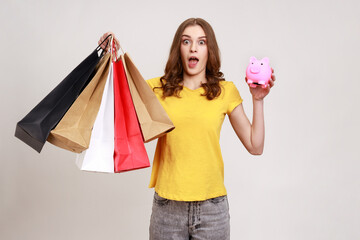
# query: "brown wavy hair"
[[171, 81]]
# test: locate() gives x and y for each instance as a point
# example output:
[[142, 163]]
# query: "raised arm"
[[252, 135]]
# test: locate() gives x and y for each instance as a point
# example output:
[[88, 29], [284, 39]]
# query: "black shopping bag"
[[35, 127]]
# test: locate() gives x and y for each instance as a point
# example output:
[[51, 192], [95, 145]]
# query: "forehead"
[[194, 31]]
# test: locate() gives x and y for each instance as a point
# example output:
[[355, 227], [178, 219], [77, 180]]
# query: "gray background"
[[304, 186]]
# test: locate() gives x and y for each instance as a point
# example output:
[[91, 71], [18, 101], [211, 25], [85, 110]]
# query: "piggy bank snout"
[[254, 69]]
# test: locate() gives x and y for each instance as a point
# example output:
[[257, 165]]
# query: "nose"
[[255, 69], [193, 47]]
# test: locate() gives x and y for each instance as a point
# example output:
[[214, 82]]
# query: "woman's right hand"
[[104, 44]]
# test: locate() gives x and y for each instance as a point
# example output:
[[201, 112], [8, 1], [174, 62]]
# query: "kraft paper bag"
[[74, 130], [99, 157], [152, 117]]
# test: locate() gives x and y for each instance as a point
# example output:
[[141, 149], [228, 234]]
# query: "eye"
[[202, 42], [262, 64], [186, 41]]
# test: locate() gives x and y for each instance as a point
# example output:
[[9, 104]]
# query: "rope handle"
[[115, 50], [100, 48]]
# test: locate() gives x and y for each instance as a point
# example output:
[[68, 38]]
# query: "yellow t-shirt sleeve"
[[233, 97], [154, 82]]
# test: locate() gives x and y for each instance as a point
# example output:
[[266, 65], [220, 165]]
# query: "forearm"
[[257, 127]]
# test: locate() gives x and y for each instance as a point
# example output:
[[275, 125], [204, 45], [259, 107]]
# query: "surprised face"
[[194, 51]]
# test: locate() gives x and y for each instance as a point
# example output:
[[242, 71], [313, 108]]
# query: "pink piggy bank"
[[258, 72]]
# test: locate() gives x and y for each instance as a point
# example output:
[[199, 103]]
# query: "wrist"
[[257, 99]]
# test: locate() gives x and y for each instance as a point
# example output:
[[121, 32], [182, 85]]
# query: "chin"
[[193, 72]]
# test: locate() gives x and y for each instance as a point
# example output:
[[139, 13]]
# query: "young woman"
[[190, 199]]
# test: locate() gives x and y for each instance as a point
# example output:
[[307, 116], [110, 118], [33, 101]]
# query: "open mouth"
[[193, 61]]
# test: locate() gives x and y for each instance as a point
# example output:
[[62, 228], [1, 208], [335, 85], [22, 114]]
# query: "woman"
[[190, 199]]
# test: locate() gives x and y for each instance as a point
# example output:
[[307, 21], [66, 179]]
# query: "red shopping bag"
[[129, 152]]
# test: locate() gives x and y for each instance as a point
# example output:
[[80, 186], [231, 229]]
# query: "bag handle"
[[100, 48], [123, 52], [114, 50], [112, 47]]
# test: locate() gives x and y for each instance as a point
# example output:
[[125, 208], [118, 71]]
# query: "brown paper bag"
[[73, 132], [153, 119]]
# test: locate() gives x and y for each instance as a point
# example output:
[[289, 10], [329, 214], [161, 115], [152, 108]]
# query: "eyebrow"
[[190, 37]]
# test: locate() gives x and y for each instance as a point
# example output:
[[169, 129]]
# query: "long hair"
[[171, 81]]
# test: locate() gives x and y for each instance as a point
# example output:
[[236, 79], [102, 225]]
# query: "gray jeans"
[[199, 220]]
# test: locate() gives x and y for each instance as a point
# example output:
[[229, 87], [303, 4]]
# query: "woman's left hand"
[[259, 93]]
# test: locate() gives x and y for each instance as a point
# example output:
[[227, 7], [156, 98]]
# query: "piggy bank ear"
[[252, 59], [265, 60]]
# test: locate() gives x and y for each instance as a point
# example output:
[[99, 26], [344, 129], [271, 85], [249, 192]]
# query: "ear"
[[265, 59], [252, 59]]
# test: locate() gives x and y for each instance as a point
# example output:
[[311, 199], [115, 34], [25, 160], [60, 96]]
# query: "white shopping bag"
[[99, 157]]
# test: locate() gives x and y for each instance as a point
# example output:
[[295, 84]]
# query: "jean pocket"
[[217, 199], [160, 200]]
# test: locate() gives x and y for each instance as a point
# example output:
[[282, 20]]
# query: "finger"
[[108, 33], [117, 43], [103, 37], [101, 41], [273, 77], [103, 44], [112, 34], [272, 70], [271, 83]]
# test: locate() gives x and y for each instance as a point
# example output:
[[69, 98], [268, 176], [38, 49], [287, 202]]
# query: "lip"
[[192, 64], [193, 56]]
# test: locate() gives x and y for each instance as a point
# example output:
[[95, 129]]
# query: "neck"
[[194, 81]]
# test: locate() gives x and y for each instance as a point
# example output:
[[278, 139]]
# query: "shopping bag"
[[153, 119], [99, 157], [35, 127], [74, 129], [129, 151]]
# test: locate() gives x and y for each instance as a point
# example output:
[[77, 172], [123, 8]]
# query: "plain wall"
[[304, 186]]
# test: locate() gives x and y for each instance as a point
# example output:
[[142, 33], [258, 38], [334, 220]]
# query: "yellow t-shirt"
[[188, 164]]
